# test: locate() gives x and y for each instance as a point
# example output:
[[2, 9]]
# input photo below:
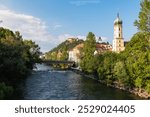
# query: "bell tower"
[[118, 42]]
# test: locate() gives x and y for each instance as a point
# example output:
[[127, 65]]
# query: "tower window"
[[119, 34], [119, 29]]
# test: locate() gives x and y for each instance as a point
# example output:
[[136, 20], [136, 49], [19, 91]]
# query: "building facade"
[[75, 53], [118, 42]]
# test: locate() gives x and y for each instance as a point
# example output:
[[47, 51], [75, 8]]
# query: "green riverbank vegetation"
[[17, 58], [128, 70]]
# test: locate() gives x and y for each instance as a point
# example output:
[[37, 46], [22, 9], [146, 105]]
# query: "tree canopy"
[[17, 57], [88, 61], [143, 23]]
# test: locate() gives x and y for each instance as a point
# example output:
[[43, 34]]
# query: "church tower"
[[118, 42]]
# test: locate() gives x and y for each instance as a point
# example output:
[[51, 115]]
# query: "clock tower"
[[118, 42]]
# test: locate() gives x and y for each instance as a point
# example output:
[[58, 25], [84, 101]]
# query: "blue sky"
[[49, 22]]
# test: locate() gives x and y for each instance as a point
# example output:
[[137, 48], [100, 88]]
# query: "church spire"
[[118, 20], [117, 15]]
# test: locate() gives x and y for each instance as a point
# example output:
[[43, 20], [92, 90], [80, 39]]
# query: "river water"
[[47, 84]]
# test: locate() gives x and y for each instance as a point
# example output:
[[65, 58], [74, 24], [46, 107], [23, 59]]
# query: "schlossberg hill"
[[61, 51]]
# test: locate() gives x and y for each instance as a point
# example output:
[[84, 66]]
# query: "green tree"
[[17, 58], [5, 91], [139, 83], [120, 73], [106, 66], [87, 62], [64, 54], [137, 55], [143, 23], [147, 86], [31, 53]]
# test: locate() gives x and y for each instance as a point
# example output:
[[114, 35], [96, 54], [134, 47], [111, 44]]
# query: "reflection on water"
[[46, 83]]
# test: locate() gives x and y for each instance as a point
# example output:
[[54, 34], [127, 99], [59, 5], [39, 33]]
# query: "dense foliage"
[[129, 69], [88, 60], [17, 58], [143, 23], [137, 59]]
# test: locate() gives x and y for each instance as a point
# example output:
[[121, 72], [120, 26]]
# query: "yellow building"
[[118, 42]]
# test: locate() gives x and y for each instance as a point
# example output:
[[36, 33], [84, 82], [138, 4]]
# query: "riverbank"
[[141, 93]]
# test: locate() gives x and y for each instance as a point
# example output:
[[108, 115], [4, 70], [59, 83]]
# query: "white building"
[[75, 53]]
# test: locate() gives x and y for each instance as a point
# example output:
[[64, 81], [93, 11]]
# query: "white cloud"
[[63, 37], [34, 28], [66, 36], [81, 37], [104, 39], [29, 26], [84, 2]]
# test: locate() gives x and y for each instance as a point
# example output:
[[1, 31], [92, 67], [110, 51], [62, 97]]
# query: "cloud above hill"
[[33, 28], [29, 26]]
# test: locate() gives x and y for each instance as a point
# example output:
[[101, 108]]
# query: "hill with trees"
[[61, 51]]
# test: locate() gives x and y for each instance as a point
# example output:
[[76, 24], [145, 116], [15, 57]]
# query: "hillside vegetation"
[[61, 51]]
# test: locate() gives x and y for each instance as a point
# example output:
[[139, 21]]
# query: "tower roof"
[[118, 20]]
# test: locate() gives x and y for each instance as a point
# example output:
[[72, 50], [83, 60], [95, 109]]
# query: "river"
[[47, 84]]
